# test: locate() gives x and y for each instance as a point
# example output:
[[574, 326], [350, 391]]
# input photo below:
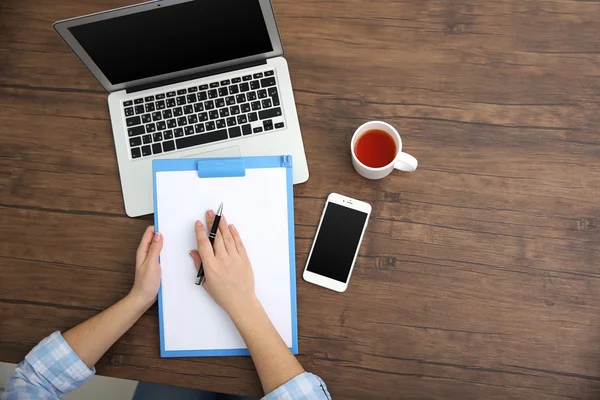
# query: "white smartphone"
[[334, 250]]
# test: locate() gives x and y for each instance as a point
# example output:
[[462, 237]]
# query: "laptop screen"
[[174, 38]]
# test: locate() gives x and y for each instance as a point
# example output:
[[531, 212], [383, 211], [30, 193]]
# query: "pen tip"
[[220, 210]]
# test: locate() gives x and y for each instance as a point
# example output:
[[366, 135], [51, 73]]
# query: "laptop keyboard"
[[198, 115]]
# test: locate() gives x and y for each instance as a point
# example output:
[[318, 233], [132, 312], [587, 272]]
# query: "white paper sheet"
[[257, 205]]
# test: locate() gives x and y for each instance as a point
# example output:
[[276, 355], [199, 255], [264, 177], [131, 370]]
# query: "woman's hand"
[[147, 268], [228, 272]]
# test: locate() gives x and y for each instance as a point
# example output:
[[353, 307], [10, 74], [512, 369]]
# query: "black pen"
[[211, 238]]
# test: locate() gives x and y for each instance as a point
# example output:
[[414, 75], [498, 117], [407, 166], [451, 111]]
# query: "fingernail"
[[211, 213], [198, 223], [191, 255], [157, 237], [232, 227]]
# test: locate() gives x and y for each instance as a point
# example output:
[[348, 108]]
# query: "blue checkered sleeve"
[[305, 386], [50, 370]]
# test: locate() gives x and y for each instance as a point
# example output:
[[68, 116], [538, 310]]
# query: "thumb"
[[155, 247]]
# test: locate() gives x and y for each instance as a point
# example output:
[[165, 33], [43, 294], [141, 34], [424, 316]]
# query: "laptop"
[[199, 78]]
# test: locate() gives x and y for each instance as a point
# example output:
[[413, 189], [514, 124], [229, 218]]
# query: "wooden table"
[[478, 276]]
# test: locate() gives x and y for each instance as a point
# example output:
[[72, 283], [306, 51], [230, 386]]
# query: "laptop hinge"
[[195, 76]]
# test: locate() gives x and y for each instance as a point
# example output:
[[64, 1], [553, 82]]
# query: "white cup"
[[402, 161]]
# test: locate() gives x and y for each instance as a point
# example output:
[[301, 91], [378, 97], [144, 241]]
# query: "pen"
[[211, 238]]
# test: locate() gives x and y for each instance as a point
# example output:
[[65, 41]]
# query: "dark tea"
[[375, 148]]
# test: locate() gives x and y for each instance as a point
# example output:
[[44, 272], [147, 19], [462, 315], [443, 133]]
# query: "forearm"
[[273, 360], [92, 338]]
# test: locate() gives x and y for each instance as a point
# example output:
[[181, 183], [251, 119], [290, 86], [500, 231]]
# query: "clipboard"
[[180, 188]]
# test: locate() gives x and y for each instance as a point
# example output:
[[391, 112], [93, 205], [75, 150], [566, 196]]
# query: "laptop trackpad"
[[233, 151]]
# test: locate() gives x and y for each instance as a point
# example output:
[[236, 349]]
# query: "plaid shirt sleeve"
[[50, 370], [305, 386]]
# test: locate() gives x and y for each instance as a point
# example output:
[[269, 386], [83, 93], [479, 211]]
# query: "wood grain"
[[478, 276]]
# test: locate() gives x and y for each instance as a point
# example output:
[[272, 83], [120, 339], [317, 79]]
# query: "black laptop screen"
[[174, 38]]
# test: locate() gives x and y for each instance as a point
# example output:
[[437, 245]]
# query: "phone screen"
[[337, 241]]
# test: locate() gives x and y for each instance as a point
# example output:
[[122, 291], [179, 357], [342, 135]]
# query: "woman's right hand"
[[228, 273]]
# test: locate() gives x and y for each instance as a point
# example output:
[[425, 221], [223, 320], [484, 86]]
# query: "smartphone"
[[334, 250]]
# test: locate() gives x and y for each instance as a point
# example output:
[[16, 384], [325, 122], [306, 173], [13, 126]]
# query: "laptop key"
[[171, 103], [192, 119], [224, 112], [150, 128], [150, 107], [188, 109], [198, 107], [225, 82], [209, 105], [254, 85], [169, 146], [199, 128], [193, 89], [202, 96], [262, 94], [129, 111], [156, 116], [157, 137], [160, 105], [255, 105], [202, 139], [245, 107], [181, 101], [156, 148], [272, 91], [268, 125], [161, 125], [191, 98], [138, 130], [135, 141], [181, 91], [269, 73], [223, 92], [214, 84], [146, 118], [160, 96], [258, 75], [139, 109], [247, 78], [202, 87], [149, 98], [233, 89], [231, 121], [235, 132], [242, 119], [252, 117], [146, 139], [267, 82], [178, 132], [276, 101], [181, 121], [258, 129], [210, 125], [246, 129], [266, 103], [133, 121], [240, 98], [271, 113], [127, 103], [236, 80], [234, 110], [189, 130], [167, 114], [136, 153], [168, 135], [214, 114], [146, 151], [171, 94], [178, 112], [138, 101], [220, 124], [203, 116], [244, 87], [279, 125], [230, 100], [220, 102], [251, 96]]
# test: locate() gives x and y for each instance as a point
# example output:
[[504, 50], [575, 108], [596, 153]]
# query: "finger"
[[155, 247], [204, 248], [227, 238], [197, 259], [239, 245], [218, 245], [142, 249]]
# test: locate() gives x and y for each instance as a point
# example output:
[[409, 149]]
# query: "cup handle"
[[406, 162]]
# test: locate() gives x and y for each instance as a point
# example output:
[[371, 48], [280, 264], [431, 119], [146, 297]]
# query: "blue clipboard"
[[228, 167]]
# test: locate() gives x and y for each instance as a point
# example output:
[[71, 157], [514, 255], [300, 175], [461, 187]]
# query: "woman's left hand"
[[147, 268]]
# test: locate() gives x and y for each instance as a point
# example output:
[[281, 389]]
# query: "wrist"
[[246, 310], [139, 302]]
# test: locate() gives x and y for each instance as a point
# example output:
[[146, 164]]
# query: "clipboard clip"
[[286, 161], [221, 167]]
